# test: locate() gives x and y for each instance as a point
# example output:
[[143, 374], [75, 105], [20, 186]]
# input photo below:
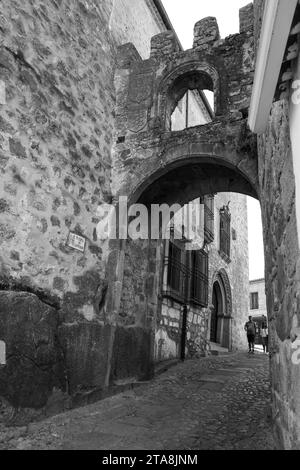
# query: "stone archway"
[[153, 165], [146, 153], [148, 90]]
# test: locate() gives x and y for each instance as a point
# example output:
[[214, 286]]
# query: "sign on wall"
[[2, 353], [76, 241]]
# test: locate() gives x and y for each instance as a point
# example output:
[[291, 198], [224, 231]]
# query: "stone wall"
[[169, 330], [282, 270], [57, 60], [258, 286], [277, 195], [169, 327], [153, 165], [135, 21], [59, 129], [238, 267]]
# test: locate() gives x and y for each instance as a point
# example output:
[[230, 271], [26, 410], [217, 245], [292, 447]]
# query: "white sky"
[[184, 15]]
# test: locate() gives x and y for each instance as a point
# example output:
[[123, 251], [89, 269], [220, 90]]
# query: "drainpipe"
[[187, 110], [183, 331], [185, 311]]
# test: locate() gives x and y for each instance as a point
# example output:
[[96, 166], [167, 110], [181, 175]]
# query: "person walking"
[[265, 334], [250, 329]]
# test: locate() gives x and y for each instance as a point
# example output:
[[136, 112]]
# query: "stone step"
[[217, 349]]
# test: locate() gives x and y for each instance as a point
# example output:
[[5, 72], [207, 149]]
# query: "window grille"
[[176, 273], [225, 221], [209, 219], [199, 278]]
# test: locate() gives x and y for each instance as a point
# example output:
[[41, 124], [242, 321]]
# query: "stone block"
[[127, 55], [164, 44], [131, 355], [33, 357], [247, 18], [85, 347], [206, 32]]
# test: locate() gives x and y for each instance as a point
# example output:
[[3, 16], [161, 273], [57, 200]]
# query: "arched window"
[[190, 101], [194, 109]]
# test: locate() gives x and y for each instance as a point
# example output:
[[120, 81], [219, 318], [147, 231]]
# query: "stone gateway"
[[102, 103]]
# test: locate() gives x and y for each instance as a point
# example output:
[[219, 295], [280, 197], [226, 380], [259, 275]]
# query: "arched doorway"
[[221, 310], [216, 311]]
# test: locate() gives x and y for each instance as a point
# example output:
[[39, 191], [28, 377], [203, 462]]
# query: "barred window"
[[209, 219], [176, 273], [199, 278], [254, 304], [225, 221]]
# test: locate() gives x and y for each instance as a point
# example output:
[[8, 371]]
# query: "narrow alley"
[[214, 403]]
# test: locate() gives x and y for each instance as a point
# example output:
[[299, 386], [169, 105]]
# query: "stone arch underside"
[[221, 154]]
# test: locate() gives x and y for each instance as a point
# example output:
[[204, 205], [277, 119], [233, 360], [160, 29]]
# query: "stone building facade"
[[60, 134], [227, 293], [84, 121], [257, 300], [57, 129]]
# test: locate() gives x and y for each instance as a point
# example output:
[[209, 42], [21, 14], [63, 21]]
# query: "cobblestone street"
[[215, 403]]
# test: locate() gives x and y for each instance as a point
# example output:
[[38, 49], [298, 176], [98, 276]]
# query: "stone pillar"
[[206, 32]]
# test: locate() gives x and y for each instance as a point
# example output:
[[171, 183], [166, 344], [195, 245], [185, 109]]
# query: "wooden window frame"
[[254, 301]]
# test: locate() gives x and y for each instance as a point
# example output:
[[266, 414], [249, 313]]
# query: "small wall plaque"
[[76, 241], [2, 353]]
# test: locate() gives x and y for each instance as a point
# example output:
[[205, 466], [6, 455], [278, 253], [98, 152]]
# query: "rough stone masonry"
[[60, 309], [152, 164], [56, 130], [62, 331]]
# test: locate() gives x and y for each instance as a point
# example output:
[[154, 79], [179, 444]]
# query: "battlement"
[[206, 33]]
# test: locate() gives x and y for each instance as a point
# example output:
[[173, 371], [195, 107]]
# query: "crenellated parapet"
[[155, 85]]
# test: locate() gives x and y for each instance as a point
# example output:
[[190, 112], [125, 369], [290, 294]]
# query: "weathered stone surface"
[[206, 31], [164, 44], [56, 161], [85, 346], [34, 360], [277, 183], [247, 18], [131, 357], [149, 148], [87, 300]]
